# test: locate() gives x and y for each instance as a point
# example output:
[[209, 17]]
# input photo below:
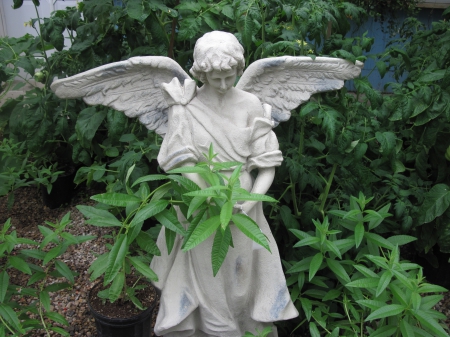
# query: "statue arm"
[[262, 184]]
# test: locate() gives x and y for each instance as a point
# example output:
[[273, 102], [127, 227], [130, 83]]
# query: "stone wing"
[[131, 86], [286, 82]]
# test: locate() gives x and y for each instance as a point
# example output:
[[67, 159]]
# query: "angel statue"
[[249, 292]]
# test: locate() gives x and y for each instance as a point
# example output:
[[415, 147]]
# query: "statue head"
[[217, 51]]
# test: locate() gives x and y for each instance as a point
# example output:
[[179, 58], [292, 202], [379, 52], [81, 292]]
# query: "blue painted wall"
[[382, 35]]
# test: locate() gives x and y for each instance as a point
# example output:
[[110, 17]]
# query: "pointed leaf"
[[169, 220], [202, 232], [429, 323], [225, 214], [251, 229], [386, 311], [144, 269], [4, 282], [145, 241], [116, 287], [44, 298], [220, 248], [339, 270], [316, 262], [116, 199], [115, 258], [64, 270], [149, 210], [385, 279]]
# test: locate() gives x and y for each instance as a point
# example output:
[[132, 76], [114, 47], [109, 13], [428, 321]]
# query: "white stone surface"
[[249, 292]]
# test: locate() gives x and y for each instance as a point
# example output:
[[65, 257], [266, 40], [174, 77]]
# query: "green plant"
[[352, 282], [40, 264], [209, 211], [263, 333], [19, 169]]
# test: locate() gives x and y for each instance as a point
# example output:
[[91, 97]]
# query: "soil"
[[123, 309], [28, 212]]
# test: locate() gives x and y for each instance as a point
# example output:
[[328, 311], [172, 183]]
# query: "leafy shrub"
[[351, 281], [39, 264]]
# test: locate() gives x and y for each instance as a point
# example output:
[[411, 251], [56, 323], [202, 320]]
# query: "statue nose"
[[223, 85]]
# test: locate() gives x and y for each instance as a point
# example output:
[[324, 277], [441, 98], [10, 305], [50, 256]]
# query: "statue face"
[[221, 80]]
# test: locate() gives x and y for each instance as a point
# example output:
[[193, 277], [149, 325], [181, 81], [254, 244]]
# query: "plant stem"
[[327, 189], [7, 326]]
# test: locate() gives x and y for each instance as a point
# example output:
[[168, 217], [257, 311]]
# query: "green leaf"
[[51, 254], [195, 203], [379, 240], [369, 282], [37, 276], [116, 199], [381, 68], [189, 169], [431, 288], [149, 210], [433, 76], [115, 258], [57, 287], [19, 264], [386, 311], [4, 282], [17, 4], [316, 262], [371, 304], [385, 279], [87, 124], [436, 202], [252, 197], [10, 317], [220, 247], [225, 214], [400, 240], [116, 287], [309, 241], [307, 307], [251, 229], [145, 241], [170, 239], [313, 330], [202, 232], [384, 331], [44, 298], [55, 317], [213, 191], [138, 9], [64, 270], [143, 268], [169, 220], [153, 177], [429, 323], [406, 329], [387, 141], [98, 267], [339, 270], [300, 266], [359, 233]]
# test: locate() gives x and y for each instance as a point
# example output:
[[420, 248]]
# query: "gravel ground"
[[28, 212]]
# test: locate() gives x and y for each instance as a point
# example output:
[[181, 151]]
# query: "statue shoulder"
[[251, 102]]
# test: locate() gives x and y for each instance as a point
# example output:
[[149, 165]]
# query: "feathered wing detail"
[[286, 82], [131, 86]]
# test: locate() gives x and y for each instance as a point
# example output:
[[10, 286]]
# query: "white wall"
[[12, 20]]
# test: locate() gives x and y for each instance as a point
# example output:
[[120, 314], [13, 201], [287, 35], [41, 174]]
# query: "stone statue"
[[249, 292]]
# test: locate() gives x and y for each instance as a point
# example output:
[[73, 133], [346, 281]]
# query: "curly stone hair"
[[217, 51]]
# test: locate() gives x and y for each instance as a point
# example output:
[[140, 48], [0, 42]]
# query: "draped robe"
[[249, 292]]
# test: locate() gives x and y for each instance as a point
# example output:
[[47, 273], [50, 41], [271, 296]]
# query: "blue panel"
[[383, 35]]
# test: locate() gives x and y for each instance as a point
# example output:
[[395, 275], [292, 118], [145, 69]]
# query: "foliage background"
[[389, 147]]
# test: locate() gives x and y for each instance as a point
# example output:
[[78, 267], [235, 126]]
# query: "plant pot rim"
[[120, 320]]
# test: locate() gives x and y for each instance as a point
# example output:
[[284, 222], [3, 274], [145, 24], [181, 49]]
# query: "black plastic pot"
[[63, 190], [136, 326]]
